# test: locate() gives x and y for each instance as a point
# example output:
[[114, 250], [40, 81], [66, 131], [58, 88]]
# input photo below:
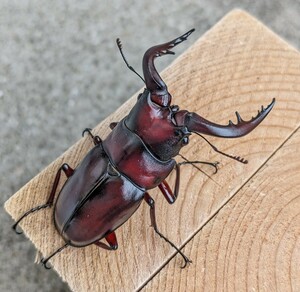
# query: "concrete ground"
[[60, 71]]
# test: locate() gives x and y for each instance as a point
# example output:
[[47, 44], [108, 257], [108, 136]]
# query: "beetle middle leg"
[[96, 139], [113, 125], [68, 171], [151, 203]]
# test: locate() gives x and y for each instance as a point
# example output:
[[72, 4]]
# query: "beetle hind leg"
[[151, 203], [112, 241], [68, 171], [44, 261]]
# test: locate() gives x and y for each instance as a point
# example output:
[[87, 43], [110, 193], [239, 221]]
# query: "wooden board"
[[237, 65], [253, 243]]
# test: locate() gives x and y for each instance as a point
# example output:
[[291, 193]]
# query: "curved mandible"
[[197, 124], [157, 87]]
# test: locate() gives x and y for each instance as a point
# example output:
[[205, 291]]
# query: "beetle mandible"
[[110, 183]]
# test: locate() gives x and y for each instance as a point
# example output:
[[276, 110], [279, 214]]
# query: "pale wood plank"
[[253, 243], [239, 64]]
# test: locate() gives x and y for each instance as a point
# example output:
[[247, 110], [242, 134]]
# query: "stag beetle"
[[112, 180]]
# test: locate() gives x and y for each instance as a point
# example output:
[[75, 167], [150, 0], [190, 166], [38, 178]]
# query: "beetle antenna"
[[45, 260], [119, 44], [237, 158]]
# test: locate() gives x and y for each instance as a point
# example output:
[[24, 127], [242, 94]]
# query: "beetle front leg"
[[151, 203], [194, 162], [68, 171], [111, 238], [166, 190]]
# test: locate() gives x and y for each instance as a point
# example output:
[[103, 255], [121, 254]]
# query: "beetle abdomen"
[[105, 209], [78, 186], [83, 211]]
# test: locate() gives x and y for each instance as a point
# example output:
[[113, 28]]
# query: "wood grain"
[[253, 243], [237, 65]]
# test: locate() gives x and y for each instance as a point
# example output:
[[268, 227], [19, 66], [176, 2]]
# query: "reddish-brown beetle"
[[109, 184]]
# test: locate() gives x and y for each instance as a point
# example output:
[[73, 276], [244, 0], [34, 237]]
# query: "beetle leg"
[[112, 125], [45, 260], [151, 203], [166, 190], [213, 164], [96, 139], [68, 171], [112, 241]]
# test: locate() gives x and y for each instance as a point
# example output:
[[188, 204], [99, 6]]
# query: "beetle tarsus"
[[87, 130], [96, 139], [14, 227], [213, 164], [151, 203], [44, 261], [185, 258]]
